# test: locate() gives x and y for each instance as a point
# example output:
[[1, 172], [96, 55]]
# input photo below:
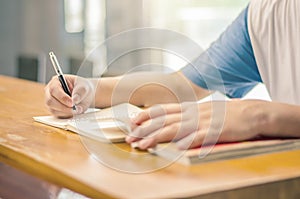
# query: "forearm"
[[279, 120], [144, 89]]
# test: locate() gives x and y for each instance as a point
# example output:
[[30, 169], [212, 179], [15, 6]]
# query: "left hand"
[[192, 124]]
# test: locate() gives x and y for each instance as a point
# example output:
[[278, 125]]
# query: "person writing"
[[261, 45]]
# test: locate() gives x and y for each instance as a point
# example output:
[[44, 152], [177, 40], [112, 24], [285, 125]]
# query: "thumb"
[[76, 97], [82, 88], [82, 94]]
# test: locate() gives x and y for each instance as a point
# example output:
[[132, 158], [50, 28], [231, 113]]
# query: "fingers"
[[164, 123], [185, 140], [189, 123], [56, 107], [200, 138], [160, 110], [192, 140], [55, 90], [56, 100], [62, 115], [156, 111], [83, 94], [172, 132], [159, 120], [151, 126], [60, 104]]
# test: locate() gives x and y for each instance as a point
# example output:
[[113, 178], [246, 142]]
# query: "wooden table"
[[61, 158]]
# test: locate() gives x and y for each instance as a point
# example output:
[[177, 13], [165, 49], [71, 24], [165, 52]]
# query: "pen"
[[60, 75]]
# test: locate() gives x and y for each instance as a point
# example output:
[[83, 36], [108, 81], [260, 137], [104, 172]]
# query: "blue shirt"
[[228, 65]]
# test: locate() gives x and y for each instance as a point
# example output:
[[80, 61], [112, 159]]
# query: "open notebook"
[[106, 125]]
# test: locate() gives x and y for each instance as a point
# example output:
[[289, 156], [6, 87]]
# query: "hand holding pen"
[[60, 75], [75, 97]]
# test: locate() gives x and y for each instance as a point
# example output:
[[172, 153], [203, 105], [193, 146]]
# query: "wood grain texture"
[[63, 158]]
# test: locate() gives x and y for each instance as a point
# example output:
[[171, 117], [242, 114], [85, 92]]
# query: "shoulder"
[[262, 10]]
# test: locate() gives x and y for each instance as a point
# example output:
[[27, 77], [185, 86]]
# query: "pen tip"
[[51, 53]]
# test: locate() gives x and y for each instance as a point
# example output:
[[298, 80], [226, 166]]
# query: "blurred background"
[[29, 29]]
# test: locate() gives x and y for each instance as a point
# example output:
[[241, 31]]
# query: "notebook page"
[[52, 121], [63, 123]]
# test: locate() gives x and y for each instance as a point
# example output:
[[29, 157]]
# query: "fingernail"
[[129, 139], [78, 110], [182, 145], [134, 145], [144, 144]]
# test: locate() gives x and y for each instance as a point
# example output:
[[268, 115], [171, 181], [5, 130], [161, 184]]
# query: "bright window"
[[200, 20], [74, 21]]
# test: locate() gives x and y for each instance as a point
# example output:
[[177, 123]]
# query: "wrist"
[[267, 119], [262, 117], [93, 86]]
